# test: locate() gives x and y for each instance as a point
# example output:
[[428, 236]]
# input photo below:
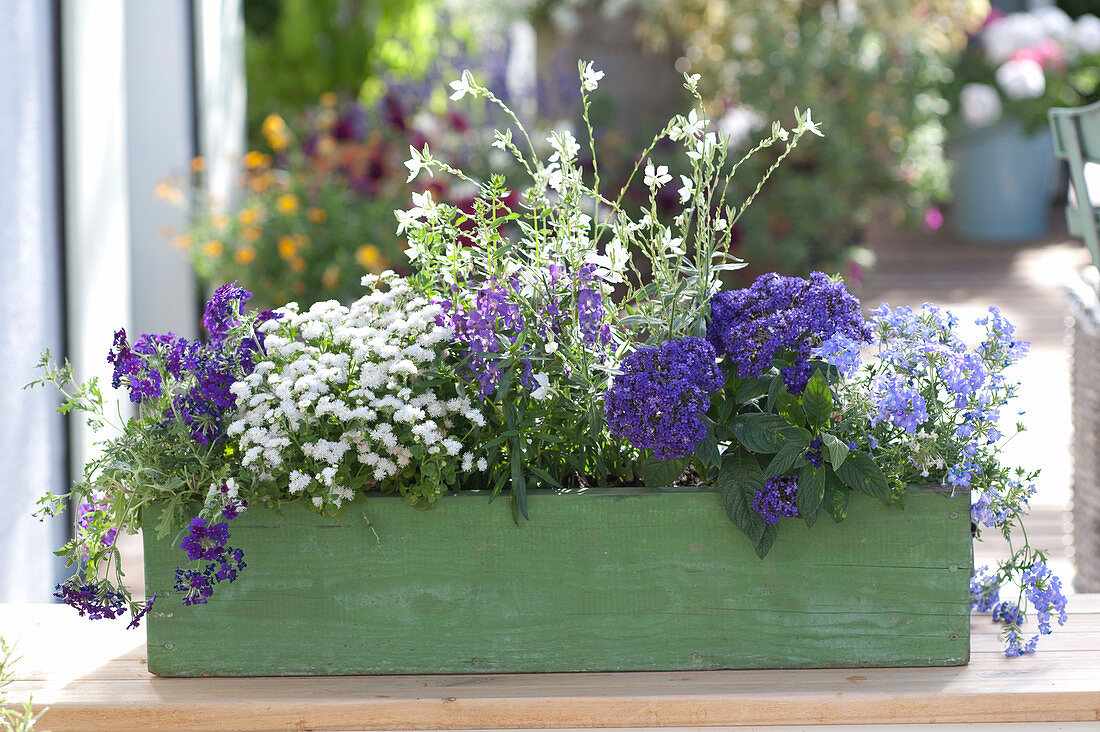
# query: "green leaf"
[[787, 457], [657, 472], [544, 476], [774, 389], [738, 480], [790, 409], [707, 450], [726, 409], [860, 473], [771, 531], [811, 493], [838, 450], [817, 401], [836, 497], [752, 388], [519, 484], [760, 432]]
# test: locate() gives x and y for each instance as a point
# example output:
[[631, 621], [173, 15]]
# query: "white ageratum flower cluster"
[[979, 105], [342, 400]]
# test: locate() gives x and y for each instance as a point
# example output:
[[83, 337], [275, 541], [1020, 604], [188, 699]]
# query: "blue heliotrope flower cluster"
[[658, 399], [776, 499], [780, 315], [194, 376]]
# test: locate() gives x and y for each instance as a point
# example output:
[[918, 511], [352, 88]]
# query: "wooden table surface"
[[92, 676]]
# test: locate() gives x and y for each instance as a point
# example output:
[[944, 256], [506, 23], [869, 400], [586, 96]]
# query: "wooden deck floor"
[[1027, 282]]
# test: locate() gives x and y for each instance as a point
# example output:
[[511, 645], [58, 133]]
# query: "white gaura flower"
[[463, 86], [656, 177], [672, 246], [979, 105], [418, 160], [687, 190], [810, 126], [543, 390], [565, 146], [590, 77]]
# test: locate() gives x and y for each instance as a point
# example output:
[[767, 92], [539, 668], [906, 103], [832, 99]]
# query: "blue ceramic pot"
[[1003, 182]]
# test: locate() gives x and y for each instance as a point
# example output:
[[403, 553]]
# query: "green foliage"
[[872, 77], [297, 50], [13, 719]]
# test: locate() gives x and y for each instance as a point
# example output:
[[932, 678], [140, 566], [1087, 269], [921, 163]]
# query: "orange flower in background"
[[219, 221], [302, 241], [213, 248], [370, 258], [331, 278], [256, 160], [298, 264], [287, 247], [275, 131], [169, 193], [183, 241], [251, 234], [247, 216], [198, 164], [328, 99], [317, 215], [261, 183], [245, 255], [326, 146], [287, 203]]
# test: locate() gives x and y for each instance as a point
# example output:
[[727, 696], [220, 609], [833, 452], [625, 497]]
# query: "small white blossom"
[[590, 77], [656, 177], [687, 190], [463, 86], [543, 390], [1021, 79], [979, 105], [419, 160]]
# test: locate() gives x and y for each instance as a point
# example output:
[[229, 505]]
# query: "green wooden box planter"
[[600, 580]]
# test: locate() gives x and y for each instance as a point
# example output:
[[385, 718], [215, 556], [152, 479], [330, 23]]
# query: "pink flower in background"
[[1047, 53], [933, 219], [995, 14]]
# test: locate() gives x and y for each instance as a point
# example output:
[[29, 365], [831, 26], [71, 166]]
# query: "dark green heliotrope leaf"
[[774, 389], [788, 457], [790, 409], [860, 473], [739, 479], [836, 448], [707, 450], [767, 539], [836, 497], [817, 401], [658, 473], [752, 388], [811, 493], [760, 432]]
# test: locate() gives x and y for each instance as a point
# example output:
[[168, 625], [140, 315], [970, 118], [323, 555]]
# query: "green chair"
[[1077, 141]]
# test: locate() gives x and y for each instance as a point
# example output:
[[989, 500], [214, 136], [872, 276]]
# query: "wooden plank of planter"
[[92, 676], [595, 581]]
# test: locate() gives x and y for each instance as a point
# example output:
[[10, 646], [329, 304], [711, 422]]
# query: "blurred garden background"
[[153, 150]]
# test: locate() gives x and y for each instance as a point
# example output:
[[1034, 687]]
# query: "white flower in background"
[[543, 390], [690, 127], [618, 254], [1086, 33], [687, 190], [1006, 36], [656, 177], [979, 105], [502, 140], [1054, 21], [463, 86], [739, 123], [590, 77], [1021, 79]]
